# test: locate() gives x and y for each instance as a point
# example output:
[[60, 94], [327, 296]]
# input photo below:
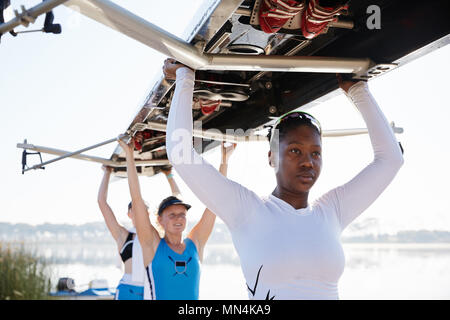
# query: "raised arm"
[[224, 197], [117, 231], [352, 198], [148, 235], [173, 184], [202, 230]]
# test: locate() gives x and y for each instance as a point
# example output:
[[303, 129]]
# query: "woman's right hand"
[[106, 169], [170, 68], [227, 151]]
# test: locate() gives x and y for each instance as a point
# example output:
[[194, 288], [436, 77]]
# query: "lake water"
[[373, 271]]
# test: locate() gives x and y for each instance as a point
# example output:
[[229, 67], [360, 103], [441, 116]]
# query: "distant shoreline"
[[349, 244], [97, 231], [398, 245]]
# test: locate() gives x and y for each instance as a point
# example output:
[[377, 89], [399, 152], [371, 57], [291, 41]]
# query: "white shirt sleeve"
[[222, 196], [352, 198]]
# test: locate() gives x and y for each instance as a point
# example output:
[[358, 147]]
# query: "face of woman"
[[173, 218], [298, 160]]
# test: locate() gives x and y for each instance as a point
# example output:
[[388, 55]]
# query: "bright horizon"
[[85, 85]]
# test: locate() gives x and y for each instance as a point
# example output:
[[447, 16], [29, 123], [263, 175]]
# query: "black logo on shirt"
[[268, 297], [180, 266]]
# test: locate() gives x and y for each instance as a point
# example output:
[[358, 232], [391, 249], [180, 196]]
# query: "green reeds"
[[23, 274]]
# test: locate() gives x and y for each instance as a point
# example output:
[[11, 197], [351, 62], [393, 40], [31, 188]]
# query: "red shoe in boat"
[[315, 18], [209, 106], [273, 14]]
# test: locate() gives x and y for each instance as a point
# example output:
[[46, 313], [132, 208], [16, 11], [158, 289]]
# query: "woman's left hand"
[[166, 170]]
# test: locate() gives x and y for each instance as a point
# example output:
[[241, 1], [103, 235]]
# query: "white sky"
[[85, 85]]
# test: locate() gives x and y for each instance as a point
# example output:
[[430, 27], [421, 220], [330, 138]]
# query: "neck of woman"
[[296, 200], [173, 239]]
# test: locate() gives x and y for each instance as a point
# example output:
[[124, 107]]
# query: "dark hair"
[[130, 205], [287, 125]]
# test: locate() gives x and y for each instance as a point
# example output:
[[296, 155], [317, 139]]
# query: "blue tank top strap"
[[189, 243]]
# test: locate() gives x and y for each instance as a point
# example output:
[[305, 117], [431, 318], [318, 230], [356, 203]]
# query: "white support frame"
[[80, 156]]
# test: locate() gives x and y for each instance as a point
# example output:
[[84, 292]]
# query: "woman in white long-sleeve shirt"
[[289, 247]]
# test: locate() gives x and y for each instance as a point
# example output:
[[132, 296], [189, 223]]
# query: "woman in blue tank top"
[[172, 264], [128, 288]]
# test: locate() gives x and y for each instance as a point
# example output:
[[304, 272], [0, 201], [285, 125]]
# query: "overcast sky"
[[85, 85]]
